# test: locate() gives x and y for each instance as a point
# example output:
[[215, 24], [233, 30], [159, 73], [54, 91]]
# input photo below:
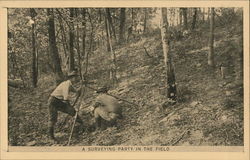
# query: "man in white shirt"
[[106, 110], [59, 101]]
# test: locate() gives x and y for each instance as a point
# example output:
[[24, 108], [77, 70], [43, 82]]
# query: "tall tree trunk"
[[130, 28], [14, 68], [34, 64], [113, 56], [174, 19], [64, 43], [53, 47], [107, 35], [177, 17], [63, 36], [37, 59], [171, 85], [194, 18], [78, 44], [145, 20], [90, 43], [83, 32], [111, 23], [189, 12], [239, 57], [180, 15], [211, 40], [203, 14], [122, 25], [100, 15], [208, 13], [241, 53], [132, 17], [71, 41], [199, 14], [184, 11]]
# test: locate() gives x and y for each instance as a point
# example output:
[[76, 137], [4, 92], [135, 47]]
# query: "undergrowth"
[[209, 109]]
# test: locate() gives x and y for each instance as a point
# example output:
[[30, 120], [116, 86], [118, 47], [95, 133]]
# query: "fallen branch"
[[181, 136], [173, 111], [123, 100], [116, 97]]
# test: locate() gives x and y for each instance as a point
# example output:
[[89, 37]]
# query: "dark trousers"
[[56, 105]]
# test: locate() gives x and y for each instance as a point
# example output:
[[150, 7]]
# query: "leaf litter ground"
[[209, 110]]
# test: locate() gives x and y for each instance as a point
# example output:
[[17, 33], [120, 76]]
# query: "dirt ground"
[[209, 111]]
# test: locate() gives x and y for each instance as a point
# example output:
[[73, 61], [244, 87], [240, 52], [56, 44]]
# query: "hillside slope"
[[209, 109]]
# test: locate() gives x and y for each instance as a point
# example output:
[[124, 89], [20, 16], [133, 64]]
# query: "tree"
[[180, 15], [131, 26], [194, 18], [145, 20], [171, 85], [63, 42], [112, 28], [208, 13], [100, 15], [211, 40], [203, 14], [35, 57], [132, 17], [53, 47], [113, 56], [83, 31], [90, 43], [241, 53], [71, 41], [122, 24], [107, 34], [240, 57], [78, 43], [184, 12]]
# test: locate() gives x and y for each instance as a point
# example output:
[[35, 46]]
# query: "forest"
[[177, 73]]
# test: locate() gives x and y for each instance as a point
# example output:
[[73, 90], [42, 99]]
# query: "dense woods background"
[[182, 68]]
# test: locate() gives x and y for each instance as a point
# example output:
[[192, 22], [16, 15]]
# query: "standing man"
[[59, 101], [106, 109]]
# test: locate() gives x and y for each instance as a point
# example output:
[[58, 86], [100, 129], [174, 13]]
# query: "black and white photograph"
[[125, 78]]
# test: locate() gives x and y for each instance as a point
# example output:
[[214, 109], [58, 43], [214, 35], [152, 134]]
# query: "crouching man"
[[106, 110], [59, 101]]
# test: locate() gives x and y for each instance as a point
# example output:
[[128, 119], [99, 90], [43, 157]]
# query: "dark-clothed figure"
[[59, 101]]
